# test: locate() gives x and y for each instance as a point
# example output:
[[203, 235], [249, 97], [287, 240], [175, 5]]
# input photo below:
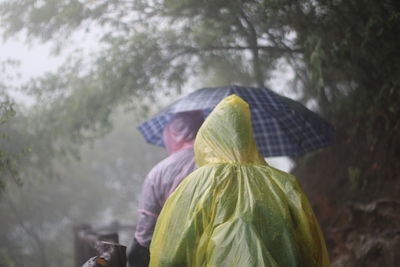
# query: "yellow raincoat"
[[236, 210]]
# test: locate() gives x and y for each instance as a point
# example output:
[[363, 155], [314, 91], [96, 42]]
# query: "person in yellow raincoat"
[[235, 209]]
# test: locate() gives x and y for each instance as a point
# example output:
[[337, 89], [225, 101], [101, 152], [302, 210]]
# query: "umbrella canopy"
[[282, 127]]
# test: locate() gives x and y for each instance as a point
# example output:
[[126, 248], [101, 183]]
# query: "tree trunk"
[[252, 39]]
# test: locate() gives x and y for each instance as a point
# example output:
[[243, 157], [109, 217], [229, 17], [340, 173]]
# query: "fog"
[[78, 78]]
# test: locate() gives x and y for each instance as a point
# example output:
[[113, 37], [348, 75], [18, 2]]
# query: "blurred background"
[[77, 77]]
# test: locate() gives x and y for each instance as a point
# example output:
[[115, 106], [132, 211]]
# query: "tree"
[[7, 167], [350, 52], [148, 48], [9, 155]]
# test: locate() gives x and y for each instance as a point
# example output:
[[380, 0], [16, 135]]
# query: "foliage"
[[9, 155], [350, 49], [7, 162]]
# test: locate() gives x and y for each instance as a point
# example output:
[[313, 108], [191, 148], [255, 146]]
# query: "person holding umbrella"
[[235, 209], [281, 126], [178, 137]]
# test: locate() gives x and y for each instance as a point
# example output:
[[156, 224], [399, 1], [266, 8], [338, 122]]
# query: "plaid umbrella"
[[282, 127]]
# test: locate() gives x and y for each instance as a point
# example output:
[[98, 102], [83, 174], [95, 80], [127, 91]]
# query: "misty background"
[[77, 77]]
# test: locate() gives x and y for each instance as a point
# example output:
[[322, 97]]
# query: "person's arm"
[[138, 255], [149, 208]]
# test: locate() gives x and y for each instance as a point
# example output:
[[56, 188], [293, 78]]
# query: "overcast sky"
[[34, 60]]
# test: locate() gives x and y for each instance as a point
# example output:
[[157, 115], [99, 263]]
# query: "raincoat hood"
[[227, 135], [180, 131]]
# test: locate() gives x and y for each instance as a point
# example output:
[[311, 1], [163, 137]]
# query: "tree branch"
[[265, 48]]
